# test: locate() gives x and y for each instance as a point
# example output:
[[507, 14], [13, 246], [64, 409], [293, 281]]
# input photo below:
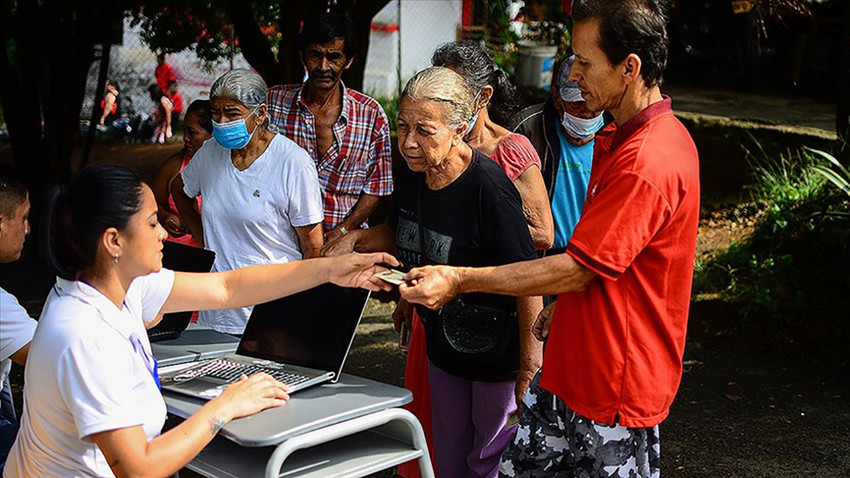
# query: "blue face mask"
[[474, 118], [233, 134], [580, 128], [471, 124]]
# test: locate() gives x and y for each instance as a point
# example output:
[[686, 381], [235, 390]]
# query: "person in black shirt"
[[454, 206]]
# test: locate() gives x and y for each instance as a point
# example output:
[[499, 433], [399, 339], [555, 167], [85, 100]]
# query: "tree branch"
[[255, 47]]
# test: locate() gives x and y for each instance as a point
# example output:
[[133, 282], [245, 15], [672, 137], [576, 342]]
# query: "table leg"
[[368, 422]]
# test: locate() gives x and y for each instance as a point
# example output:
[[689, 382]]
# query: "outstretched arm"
[[258, 284], [433, 286]]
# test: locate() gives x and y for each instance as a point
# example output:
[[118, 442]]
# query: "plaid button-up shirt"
[[358, 161]]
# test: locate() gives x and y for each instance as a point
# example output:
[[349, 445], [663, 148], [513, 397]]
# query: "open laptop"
[[302, 340], [180, 257]]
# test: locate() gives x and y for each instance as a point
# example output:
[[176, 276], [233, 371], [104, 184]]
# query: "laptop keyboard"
[[231, 371]]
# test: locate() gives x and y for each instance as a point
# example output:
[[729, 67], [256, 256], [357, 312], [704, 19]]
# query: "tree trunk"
[[361, 12], [48, 49], [253, 43], [96, 112], [20, 84], [842, 108]]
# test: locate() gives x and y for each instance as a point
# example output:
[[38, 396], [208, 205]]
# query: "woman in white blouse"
[[92, 405]]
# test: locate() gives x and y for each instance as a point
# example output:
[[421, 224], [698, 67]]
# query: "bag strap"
[[419, 222]]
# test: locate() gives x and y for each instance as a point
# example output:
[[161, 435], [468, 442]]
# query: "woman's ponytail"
[[97, 198]]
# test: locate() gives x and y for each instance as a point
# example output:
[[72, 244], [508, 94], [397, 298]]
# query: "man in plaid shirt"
[[345, 132]]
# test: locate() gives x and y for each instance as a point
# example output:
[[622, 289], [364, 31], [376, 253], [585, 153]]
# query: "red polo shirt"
[[614, 353]]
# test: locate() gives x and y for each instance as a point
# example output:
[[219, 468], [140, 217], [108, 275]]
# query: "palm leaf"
[[829, 158], [834, 178]]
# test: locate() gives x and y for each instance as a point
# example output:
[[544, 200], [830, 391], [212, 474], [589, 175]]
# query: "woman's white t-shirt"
[[83, 376], [249, 216]]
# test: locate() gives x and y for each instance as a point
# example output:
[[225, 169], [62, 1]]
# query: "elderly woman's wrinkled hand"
[[338, 247], [541, 325], [431, 286]]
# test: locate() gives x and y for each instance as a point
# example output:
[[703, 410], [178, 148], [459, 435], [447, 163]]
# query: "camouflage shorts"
[[553, 440]]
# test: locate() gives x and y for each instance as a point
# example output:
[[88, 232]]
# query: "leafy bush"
[[390, 106], [792, 275]]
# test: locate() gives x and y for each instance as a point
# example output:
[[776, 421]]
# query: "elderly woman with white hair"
[[262, 202], [453, 205]]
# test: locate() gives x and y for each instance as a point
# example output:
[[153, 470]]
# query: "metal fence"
[[403, 37], [132, 65]]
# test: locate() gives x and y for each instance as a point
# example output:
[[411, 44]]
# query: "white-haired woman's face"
[[424, 139], [225, 110]]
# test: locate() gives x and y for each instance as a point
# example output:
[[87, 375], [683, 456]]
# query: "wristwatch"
[[343, 230]]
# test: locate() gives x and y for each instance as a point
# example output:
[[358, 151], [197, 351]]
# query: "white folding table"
[[350, 428]]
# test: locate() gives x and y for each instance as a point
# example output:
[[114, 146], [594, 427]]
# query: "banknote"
[[392, 276]]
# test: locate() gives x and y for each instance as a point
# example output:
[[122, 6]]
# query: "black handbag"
[[479, 331]]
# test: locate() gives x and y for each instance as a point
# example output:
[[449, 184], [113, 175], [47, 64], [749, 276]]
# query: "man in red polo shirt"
[[613, 360]]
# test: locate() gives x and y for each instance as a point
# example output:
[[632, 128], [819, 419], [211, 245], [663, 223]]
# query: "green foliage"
[[835, 173], [390, 105], [795, 267], [173, 26], [501, 39]]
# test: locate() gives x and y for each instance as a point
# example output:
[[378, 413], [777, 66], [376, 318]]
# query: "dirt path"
[[740, 412]]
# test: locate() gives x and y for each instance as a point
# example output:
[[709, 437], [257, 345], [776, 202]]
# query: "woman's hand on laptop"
[[251, 395], [358, 270]]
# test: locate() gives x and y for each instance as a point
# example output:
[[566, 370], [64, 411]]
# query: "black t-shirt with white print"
[[475, 221]]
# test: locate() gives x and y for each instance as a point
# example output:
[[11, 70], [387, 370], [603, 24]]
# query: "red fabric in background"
[[416, 380]]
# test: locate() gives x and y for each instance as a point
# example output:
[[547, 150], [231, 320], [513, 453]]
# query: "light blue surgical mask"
[[234, 134], [471, 123], [474, 117], [581, 128]]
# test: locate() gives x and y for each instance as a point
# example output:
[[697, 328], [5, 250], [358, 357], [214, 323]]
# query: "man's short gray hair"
[[445, 87], [244, 86]]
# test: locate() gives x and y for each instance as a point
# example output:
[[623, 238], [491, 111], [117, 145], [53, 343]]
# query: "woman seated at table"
[[453, 205], [262, 202], [92, 406]]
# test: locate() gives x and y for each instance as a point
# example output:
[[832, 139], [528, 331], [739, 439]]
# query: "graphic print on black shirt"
[[475, 221]]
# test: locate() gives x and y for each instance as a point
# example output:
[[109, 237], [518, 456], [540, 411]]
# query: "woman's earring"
[[115, 260]]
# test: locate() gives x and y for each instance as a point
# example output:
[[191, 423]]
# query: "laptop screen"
[[313, 328], [180, 257]]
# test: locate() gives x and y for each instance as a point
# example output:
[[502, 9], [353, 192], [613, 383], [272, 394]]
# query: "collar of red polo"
[[637, 121]]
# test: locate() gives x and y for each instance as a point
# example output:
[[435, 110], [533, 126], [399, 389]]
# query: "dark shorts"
[[553, 440]]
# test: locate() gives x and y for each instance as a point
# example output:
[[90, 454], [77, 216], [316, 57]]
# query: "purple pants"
[[470, 424]]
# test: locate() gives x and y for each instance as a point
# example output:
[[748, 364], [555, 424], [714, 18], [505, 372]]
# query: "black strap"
[[419, 223]]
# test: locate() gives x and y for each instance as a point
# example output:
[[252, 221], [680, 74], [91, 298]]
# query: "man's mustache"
[[323, 75]]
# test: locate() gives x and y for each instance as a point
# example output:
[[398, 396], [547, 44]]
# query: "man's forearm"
[[360, 212], [380, 238], [547, 276], [530, 349]]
